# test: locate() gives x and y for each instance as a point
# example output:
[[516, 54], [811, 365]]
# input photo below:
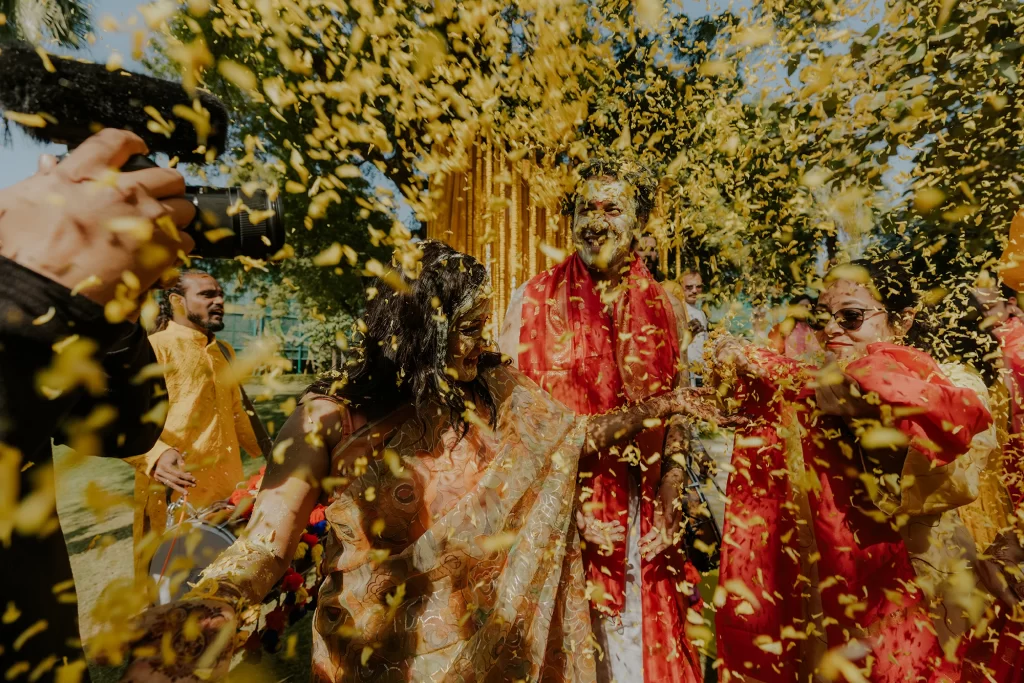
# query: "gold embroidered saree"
[[454, 558]]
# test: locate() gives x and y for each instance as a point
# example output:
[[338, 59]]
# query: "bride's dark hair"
[[401, 355]]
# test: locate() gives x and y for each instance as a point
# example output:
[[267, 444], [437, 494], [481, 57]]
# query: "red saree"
[[594, 358], [799, 495]]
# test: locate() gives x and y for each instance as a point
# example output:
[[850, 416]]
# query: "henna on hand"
[[188, 640]]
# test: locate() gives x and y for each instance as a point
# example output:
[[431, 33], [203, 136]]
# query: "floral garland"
[[295, 594]]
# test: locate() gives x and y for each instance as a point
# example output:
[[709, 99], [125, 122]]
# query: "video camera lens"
[[229, 222], [256, 223]]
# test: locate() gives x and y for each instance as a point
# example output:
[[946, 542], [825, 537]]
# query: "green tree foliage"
[[64, 21], [333, 89], [941, 80], [777, 133]]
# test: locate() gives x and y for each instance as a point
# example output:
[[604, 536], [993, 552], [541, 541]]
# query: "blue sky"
[[19, 155]]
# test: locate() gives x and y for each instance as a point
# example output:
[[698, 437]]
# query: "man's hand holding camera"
[[84, 224]]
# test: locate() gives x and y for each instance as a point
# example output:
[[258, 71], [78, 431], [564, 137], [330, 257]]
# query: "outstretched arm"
[[290, 490], [605, 431], [247, 570], [610, 429]]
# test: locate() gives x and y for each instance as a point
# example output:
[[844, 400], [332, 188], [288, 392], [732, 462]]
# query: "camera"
[[229, 222], [226, 208], [76, 99]]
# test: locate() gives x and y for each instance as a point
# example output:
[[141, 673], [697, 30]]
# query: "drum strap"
[[262, 437]]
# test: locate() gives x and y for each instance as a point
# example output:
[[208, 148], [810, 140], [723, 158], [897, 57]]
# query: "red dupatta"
[[768, 532], [1003, 661], [906, 377], [567, 345], [594, 357]]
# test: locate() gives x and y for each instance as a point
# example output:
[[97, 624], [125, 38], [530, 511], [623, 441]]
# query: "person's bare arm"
[[290, 490], [677, 432], [246, 571], [610, 429], [674, 479], [621, 426]]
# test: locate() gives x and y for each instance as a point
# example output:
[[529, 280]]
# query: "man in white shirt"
[[693, 287]]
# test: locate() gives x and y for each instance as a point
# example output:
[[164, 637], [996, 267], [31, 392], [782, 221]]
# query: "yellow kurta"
[[206, 422]]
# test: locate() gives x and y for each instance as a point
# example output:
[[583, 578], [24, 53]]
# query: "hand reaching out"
[[700, 403], [733, 351], [604, 534], [695, 402], [200, 637]]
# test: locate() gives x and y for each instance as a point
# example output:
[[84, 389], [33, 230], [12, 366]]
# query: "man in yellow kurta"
[[198, 454]]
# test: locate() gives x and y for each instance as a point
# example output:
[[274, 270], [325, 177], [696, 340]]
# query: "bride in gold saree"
[[450, 482]]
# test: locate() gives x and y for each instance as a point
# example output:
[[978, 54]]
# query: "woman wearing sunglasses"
[[818, 557]]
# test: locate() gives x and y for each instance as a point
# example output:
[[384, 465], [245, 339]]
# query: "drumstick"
[[181, 518]]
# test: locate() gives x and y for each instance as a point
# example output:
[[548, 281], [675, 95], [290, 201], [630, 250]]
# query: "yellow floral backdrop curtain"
[[486, 209], [489, 207]]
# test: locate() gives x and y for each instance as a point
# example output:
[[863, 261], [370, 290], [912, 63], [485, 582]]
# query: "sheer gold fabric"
[[458, 561]]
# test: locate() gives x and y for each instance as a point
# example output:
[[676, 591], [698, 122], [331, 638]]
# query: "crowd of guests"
[[869, 529], [523, 508]]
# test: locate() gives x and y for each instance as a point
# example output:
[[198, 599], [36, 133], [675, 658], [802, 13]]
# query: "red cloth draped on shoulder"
[[594, 358], [903, 376], [863, 574]]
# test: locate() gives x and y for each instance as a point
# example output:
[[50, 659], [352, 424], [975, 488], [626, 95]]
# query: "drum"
[[195, 543]]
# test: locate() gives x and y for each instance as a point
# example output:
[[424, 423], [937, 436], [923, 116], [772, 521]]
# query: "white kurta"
[[621, 637]]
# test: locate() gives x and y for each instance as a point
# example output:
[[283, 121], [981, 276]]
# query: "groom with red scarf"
[[598, 332]]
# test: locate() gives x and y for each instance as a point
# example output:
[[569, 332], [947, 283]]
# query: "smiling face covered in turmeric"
[[604, 222]]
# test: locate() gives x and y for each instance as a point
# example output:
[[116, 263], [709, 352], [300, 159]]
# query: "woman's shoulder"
[[330, 410]]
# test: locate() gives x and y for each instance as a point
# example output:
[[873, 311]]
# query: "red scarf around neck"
[[595, 357], [591, 356]]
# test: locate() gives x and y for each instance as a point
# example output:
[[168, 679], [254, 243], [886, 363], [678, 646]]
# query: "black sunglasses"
[[850, 319]]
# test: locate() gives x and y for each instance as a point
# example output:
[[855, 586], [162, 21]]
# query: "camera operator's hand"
[[170, 471], [82, 221]]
